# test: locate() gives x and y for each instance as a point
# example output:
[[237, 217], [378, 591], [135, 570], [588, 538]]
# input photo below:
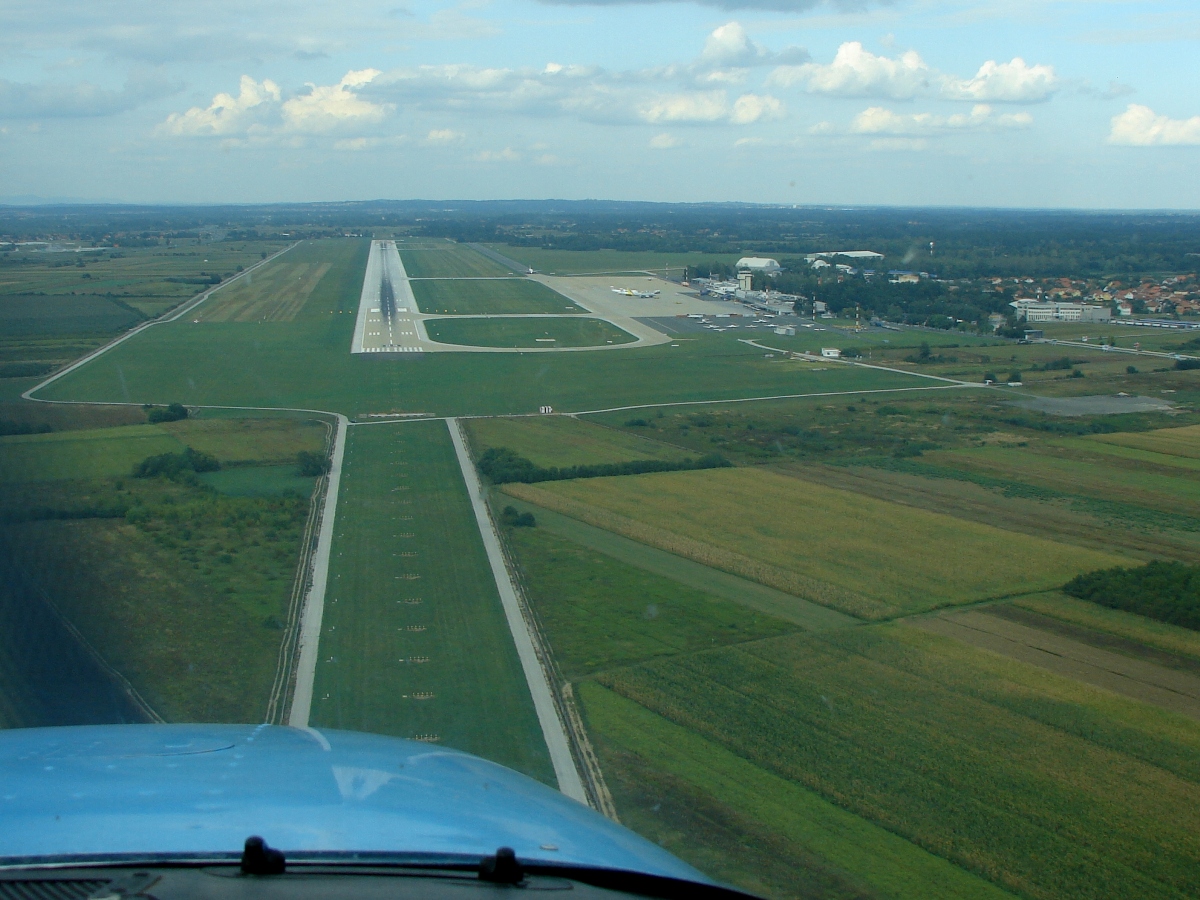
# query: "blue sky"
[[1090, 104]]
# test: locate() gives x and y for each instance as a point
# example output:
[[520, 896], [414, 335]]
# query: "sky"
[[1005, 103]]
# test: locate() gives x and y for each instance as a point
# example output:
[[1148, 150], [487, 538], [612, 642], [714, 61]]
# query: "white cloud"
[[752, 107], [857, 72], [443, 136], [1010, 82], [878, 120], [1140, 126], [708, 106], [327, 107], [664, 141], [731, 45], [226, 115], [260, 111]]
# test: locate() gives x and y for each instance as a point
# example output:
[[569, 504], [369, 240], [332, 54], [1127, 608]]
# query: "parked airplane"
[[629, 292]]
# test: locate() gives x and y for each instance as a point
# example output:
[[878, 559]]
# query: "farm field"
[[863, 556], [565, 441], [182, 590], [499, 296], [527, 332], [414, 640], [744, 824], [147, 281], [448, 260], [1181, 643], [686, 572], [576, 262], [1171, 491], [1179, 442], [880, 720]]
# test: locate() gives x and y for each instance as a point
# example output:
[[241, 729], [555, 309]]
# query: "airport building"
[[758, 264], [1053, 311]]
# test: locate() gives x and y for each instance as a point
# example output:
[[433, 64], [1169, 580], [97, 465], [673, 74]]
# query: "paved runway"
[[387, 311]]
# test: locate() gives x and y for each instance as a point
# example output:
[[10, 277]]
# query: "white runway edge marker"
[[314, 601], [553, 731]]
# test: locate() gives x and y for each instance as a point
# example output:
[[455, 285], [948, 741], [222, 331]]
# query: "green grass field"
[[864, 556], [565, 441], [414, 639], [95, 453], [577, 262], [245, 440], [259, 481], [604, 613], [448, 260], [490, 297], [540, 332]]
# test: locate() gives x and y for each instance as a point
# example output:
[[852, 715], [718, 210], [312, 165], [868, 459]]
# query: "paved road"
[[314, 601], [553, 730]]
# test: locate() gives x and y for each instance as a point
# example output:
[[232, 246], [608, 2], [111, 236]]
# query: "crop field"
[[577, 262], [863, 556], [448, 260], [1170, 490], [522, 332], [30, 316], [498, 296], [1183, 442], [565, 441], [414, 640], [1182, 643], [744, 824], [1006, 770], [147, 281]]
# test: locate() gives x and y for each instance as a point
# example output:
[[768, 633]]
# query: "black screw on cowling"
[[502, 868], [259, 859]]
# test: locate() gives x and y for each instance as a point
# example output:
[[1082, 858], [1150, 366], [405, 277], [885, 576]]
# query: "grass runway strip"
[[414, 640]]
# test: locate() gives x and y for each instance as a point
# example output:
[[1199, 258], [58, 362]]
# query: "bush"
[[175, 465], [1063, 363], [502, 466], [1014, 375], [637, 423], [1165, 591], [311, 465], [175, 412], [1078, 373], [1131, 370], [1187, 364], [514, 519]]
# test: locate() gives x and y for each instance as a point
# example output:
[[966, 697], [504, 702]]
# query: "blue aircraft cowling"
[[203, 789]]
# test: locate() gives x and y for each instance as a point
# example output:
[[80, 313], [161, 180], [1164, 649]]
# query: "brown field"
[[1140, 679], [273, 294]]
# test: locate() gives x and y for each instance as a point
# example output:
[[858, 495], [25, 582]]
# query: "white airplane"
[[629, 292]]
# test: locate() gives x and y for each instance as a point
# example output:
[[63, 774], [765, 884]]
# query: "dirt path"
[[1146, 681]]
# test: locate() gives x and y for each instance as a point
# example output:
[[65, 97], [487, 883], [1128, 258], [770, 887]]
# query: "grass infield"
[[539, 332], [489, 297]]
